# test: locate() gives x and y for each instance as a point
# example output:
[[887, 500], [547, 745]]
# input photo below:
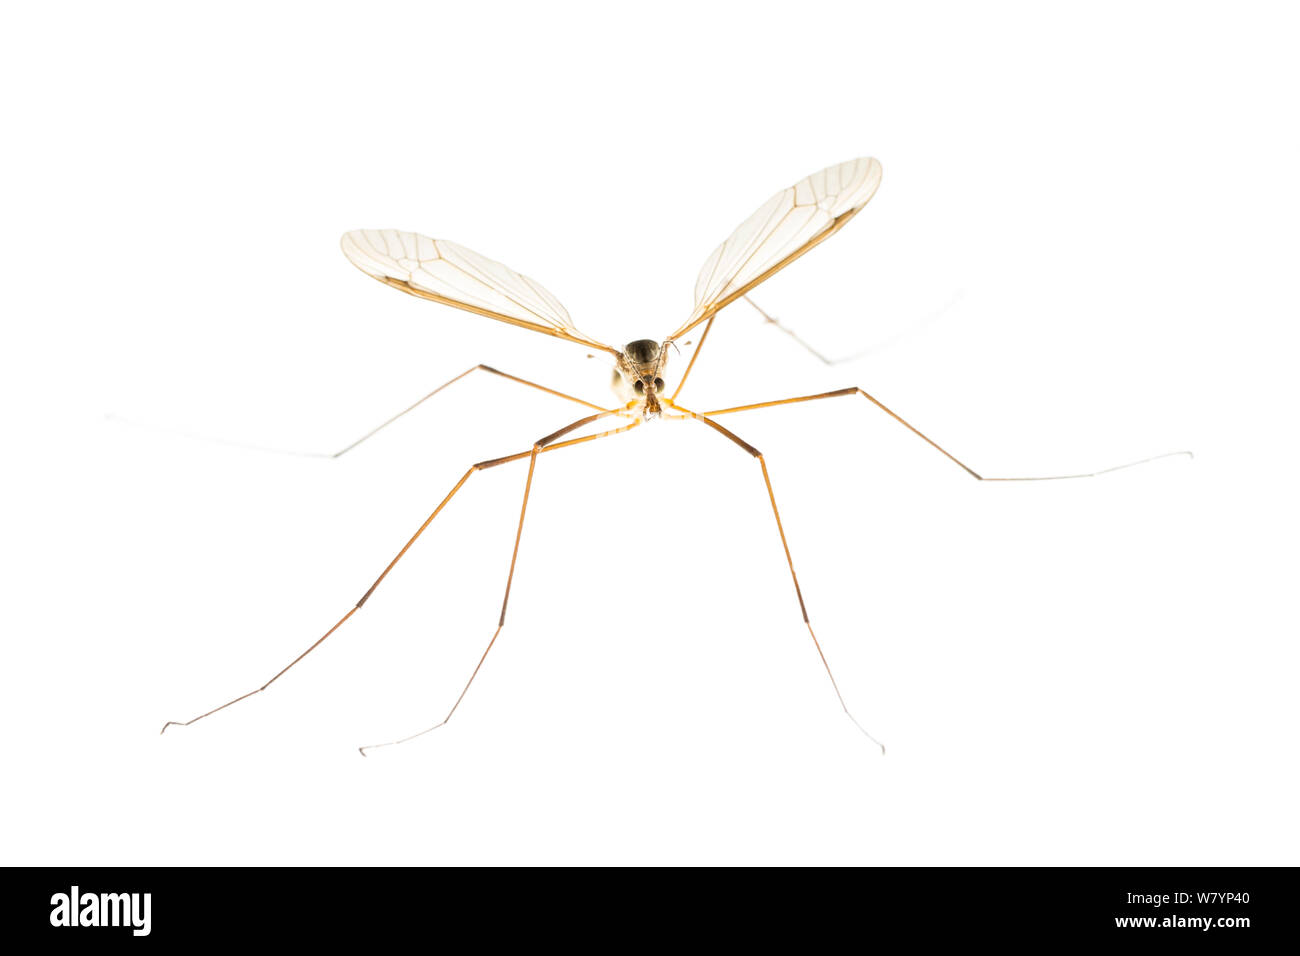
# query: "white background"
[[1083, 253]]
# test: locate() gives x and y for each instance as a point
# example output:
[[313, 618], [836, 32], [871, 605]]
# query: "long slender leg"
[[772, 321], [694, 355], [803, 609], [369, 434], [544, 446], [913, 326], [538, 447], [839, 393], [476, 368]]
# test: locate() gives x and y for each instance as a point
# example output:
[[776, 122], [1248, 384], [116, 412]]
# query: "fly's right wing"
[[453, 275], [780, 231]]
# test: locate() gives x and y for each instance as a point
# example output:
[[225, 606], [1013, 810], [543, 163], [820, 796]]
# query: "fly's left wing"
[[780, 231], [453, 275]]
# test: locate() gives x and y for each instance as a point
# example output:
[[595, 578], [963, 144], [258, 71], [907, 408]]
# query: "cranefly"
[[780, 231]]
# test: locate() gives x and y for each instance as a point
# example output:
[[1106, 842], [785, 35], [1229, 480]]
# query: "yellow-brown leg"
[[545, 445], [776, 513], [840, 393], [540, 446], [476, 368]]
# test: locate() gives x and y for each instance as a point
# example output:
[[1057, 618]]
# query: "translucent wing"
[[453, 275], [780, 231]]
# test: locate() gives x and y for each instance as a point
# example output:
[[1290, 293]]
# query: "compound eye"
[[638, 386], [659, 385]]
